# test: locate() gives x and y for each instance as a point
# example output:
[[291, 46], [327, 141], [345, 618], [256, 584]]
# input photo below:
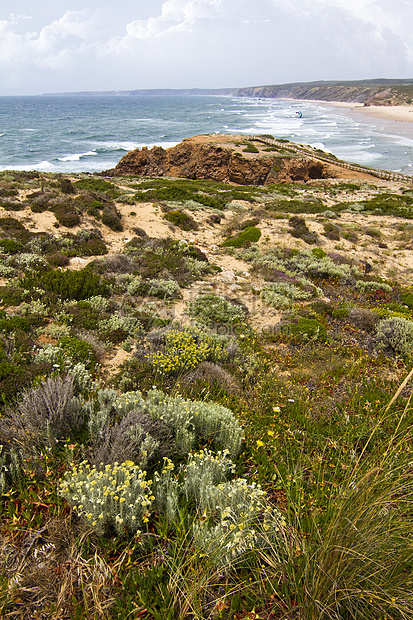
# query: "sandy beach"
[[401, 113]]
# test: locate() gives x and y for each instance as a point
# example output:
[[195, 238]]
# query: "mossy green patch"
[[246, 237]]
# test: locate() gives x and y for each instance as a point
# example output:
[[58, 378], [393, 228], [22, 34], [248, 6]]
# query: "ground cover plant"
[[163, 454]]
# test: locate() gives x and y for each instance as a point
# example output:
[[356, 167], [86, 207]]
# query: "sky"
[[76, 45]]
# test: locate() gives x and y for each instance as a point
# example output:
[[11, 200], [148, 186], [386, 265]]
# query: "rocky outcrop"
[[226, 163]]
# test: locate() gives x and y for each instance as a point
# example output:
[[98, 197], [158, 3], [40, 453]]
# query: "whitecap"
[[77, 156], [43, 166]]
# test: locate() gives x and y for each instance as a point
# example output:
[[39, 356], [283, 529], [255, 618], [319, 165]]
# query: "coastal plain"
[[223, 330]]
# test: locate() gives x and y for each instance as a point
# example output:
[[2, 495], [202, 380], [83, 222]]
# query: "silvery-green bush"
[[120, 496], [304, 263], [395, 337], [129, 324], [282, 294], [369, 287], [196, 419], [209, 309], [204, 470]]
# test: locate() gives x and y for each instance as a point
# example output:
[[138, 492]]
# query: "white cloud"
[[175, 16], [54, 46], [206, 43]]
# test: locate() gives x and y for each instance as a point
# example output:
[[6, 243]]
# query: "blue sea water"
[[90, 134]]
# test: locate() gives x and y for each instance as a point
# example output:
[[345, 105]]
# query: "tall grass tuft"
[[353, 559]]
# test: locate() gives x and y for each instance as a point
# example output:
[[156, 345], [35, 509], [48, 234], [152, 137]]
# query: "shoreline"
[[395, 113]]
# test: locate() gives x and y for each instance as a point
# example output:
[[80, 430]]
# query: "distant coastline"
[[377, 92]]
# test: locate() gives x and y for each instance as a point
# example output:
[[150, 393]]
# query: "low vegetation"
[[194, 429]]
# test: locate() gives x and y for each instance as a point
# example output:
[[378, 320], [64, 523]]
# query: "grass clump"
[[250, 148]]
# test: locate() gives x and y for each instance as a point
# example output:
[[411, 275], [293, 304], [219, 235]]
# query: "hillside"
[[205, 387], [369, 92]]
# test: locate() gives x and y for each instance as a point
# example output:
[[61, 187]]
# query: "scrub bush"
[[68, 284], [210, 309], [44, 414], [181, 219], [184, 350], [244, 238], [118, 497], [164, 289], [111, 219], [394, 336]]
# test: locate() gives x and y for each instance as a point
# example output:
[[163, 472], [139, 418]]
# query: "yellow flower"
[[259, 443], [270, 433]]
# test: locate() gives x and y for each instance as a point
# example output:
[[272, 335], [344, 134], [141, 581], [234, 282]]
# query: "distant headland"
[[380, 91]]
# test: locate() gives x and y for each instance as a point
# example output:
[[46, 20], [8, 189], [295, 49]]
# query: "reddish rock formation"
[[219, 158]]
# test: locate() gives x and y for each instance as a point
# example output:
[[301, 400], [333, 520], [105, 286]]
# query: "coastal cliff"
[[370, 92]]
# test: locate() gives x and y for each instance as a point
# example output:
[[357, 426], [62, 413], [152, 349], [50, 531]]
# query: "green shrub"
[[250, 148], [66, 215], [181, 219], [68, 284], [331, 231], [10, 246], [98, 185], [94, 246], [407, 299], [308, 329], [9, 324], [78, 350], [318, 253], [11, 295], [299, 229], [247, 236], [66, 186], [15, 229], [57, 259], [111, 219]]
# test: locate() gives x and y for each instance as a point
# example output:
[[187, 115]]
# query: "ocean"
[[92, 133]]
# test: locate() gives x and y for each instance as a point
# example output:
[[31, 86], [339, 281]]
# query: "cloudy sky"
[[74, 45]]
